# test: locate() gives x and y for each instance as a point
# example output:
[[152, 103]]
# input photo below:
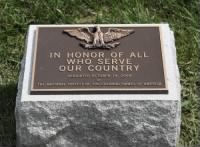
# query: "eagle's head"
[[98, 29]]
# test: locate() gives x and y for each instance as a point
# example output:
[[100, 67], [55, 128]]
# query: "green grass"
[[182, 15]]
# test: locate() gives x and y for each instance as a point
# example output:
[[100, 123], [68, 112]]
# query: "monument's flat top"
[[39, 76]]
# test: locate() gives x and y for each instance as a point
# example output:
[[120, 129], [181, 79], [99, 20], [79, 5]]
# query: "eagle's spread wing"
[[115, 34], [81, 34]]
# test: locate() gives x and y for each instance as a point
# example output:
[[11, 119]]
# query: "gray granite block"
[[99, 123]]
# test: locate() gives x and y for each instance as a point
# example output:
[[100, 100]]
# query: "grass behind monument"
[[182, 15]]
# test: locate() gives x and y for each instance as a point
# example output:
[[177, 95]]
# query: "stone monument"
[[99, 86]]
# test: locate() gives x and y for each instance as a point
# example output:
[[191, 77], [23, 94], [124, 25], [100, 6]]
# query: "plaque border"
[[34, 91]]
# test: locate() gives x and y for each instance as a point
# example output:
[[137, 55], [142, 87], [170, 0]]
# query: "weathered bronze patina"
[[62, 64]]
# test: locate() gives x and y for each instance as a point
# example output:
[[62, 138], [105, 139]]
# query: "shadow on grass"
[[7, 116]]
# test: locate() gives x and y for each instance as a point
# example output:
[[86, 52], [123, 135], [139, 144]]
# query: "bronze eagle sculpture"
[[97, 39]]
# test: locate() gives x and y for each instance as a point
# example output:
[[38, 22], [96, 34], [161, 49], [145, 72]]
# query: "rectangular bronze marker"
[[98, 60]]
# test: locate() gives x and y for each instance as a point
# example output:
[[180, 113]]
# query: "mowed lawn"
[[182, 15]]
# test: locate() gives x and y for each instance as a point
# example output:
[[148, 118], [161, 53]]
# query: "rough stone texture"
[[117, 123], [98, 124]]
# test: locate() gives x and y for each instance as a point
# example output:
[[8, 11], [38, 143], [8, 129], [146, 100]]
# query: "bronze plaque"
[[98, 60]]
